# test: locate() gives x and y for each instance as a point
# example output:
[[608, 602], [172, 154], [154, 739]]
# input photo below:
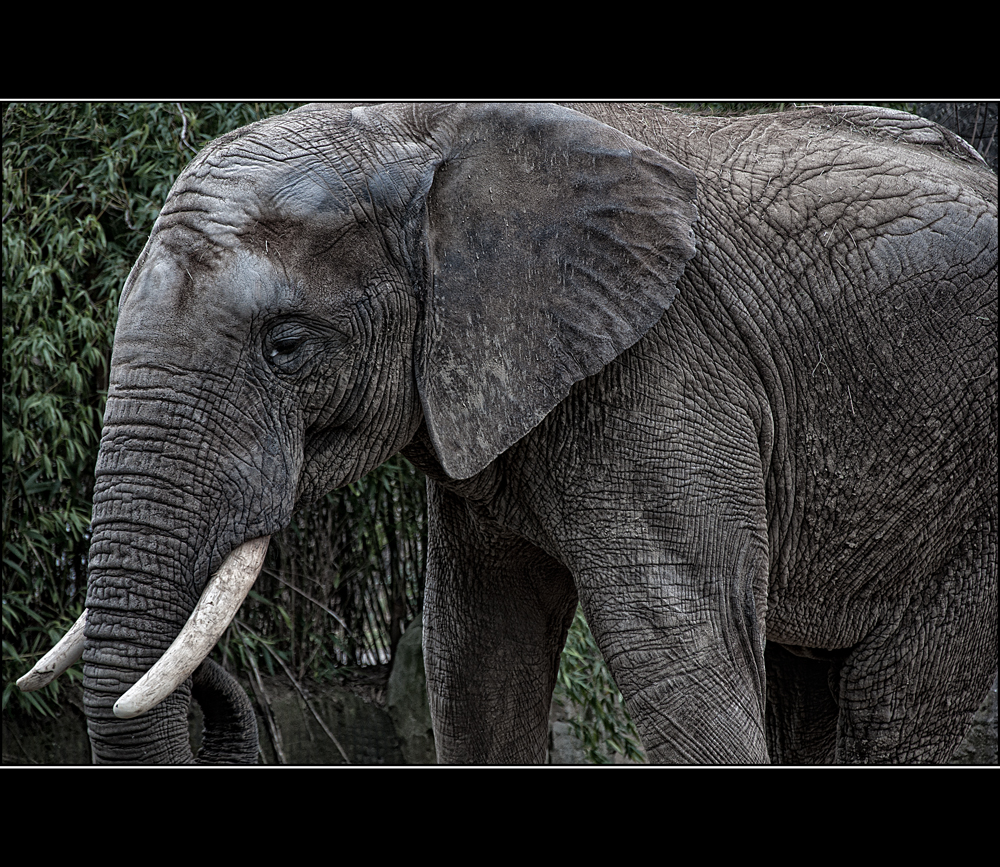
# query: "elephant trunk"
[[158, 737], [187, 485], [217, 606], [137, 712], [230, 734], [153, 611]]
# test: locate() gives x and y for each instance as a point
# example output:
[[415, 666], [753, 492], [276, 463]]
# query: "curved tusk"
[[67, 651], [218, 605]]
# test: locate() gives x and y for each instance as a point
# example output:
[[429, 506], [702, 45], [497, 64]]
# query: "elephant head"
[[317, 289]]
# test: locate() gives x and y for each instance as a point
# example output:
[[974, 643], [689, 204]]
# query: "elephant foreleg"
[[683, 636], [496, 614], [693, 698]]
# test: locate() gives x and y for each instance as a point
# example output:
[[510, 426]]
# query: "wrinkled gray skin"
[[730, 383]]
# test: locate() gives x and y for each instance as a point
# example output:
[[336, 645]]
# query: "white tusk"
[[218, 605], [68, 650]]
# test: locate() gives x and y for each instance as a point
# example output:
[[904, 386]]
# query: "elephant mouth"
[[216, 608]]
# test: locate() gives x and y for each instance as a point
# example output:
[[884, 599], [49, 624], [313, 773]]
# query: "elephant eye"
[[282, 345]]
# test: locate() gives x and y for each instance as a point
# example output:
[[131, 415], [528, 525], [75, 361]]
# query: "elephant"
[[729, 384]]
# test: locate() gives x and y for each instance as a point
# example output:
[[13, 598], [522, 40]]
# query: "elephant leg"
[[909, 691], [692, 677], [801, 710], [673, 580], [496, 614]]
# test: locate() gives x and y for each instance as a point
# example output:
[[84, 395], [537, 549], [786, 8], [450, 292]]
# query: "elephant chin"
[[219, 602]]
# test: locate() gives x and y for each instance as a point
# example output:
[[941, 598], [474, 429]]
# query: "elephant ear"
[[553, 243]]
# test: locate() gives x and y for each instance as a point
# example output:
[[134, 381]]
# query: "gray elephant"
[[731, 384]]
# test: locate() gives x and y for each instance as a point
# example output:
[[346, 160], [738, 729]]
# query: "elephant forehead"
[[218, 204], [307, 190], [165, 295]]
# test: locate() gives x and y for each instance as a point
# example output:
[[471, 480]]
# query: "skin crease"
[[759, 449]]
